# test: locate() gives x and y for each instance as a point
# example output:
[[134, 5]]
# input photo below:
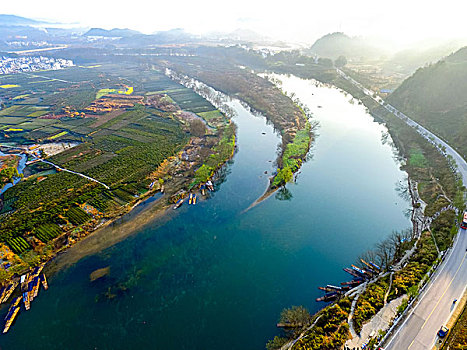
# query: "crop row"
[[18, 244], [47, 232], [77, 216]]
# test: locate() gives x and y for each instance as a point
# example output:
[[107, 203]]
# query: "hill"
[[408, 60], [112, 33], [339, 44], [435, 96], [172, 36], [13, 20]]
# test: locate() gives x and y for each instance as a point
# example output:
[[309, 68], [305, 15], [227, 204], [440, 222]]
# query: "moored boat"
[[194, 199], [178, 204], [14, 304], [352, 272], [361, 271], [44, 282], [209, 185], [26, 301], [10, 318], [36, 285], [328, 297], [353, 283], [371, 266], [9, 291]]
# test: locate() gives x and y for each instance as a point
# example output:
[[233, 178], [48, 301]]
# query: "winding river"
[[20, 168], [213, 276]]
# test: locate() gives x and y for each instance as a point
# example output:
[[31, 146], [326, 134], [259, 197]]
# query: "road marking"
[[441, 297], [459, 161], [435, 276], [411, 344]]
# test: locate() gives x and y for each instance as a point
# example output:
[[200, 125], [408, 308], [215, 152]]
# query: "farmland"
[[120, 124]]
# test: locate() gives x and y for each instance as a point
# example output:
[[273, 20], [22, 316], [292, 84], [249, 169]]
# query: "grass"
[[103, 92], [37, 114], [417, 159], [19, 97], [458, 336], [294, 154], [8, 86], [57, 135]]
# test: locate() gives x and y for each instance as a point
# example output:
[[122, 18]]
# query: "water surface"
[[216, 277]]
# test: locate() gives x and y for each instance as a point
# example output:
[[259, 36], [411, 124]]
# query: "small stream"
[[20, 168]]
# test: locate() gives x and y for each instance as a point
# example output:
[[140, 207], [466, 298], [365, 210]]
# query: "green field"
[[121, 152]]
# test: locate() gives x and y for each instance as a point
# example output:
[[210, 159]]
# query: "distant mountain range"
[[116, 32], [13, 20]]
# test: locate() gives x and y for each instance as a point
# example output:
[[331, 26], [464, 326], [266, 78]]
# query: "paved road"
[[418, 332], [74, 172]]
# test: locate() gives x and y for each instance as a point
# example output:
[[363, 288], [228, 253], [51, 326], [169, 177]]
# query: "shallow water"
[[20, 168], [216, 277]]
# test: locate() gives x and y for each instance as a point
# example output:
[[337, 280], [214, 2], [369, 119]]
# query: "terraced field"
[[120, 146]]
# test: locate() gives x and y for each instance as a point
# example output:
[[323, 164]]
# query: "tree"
[[284, 194], [326, 62], [341, 61], [197, 128], [276, 343], [295, 315]]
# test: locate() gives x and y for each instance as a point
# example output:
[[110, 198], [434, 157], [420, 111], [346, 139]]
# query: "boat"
[[361, 271], [31, 290], [191, 198], [13, 304], [331, 288], [26, 301], [369, 266], [9, 291], [352, 272], [203, 189], [44, 282], [209, 185], [194, 199], [353, 283], [375, 266], [178, 204], [2, 292], [328, 297], [37, 270], [10, 318], [36, 286]]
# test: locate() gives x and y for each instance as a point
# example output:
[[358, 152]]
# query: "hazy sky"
[[401, 20]]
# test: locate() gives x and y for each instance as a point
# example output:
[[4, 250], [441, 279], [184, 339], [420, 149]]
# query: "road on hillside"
[[435, 305]]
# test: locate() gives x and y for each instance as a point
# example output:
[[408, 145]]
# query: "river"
[[20, 168], [213, 276]]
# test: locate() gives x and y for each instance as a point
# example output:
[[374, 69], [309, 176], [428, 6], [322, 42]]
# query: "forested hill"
[[338, 44], [436, 96]]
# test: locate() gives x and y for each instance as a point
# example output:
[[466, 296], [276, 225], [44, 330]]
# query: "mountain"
[[12, 20], [436, 97], [420, 54], [172, 36], [338, 44], [112, 33]]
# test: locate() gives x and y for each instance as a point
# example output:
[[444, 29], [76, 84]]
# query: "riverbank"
[[176, 177], [261, 96], [399, 286], [210, 268]]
